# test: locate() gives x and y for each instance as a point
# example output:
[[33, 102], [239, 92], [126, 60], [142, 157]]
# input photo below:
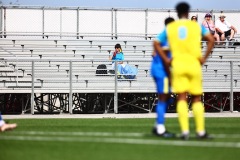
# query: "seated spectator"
[[126, 70], [194, 18], [224, 28], [117, 55], [209, 24]]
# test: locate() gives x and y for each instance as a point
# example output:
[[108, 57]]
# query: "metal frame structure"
[[77, 34], [115, 100]]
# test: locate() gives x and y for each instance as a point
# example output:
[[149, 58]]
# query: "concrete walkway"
[[140, 115]]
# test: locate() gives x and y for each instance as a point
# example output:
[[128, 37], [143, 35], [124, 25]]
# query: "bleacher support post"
[[22, 48], [125, 42], [70, 89], [235, 80], [14, 41], [32, 94], [116, 90], [55, 43], [31, 52], [231, 92]]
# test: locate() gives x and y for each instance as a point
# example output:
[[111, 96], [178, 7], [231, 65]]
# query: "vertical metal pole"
[[112, 23], [116, 23], [116, 89], [60, 23], [146, 23], [231, 84], [4, 19], [1, 22], [17, 69], [70, 92], [32, 95], [78, 23], [43, 22]]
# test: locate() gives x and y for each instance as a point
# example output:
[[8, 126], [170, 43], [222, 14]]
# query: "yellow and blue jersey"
[[184, 38]]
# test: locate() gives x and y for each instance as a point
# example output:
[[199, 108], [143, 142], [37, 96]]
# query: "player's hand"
[[202, 60], [114, 54], [167, 69], [168, 62]]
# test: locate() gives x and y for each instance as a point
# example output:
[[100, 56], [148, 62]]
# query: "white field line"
[[124, 141], [97, 134], [113, 116], [109, 134], [228, 136]]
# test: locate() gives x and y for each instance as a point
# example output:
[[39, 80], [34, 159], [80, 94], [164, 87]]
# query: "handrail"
[[76, 34]]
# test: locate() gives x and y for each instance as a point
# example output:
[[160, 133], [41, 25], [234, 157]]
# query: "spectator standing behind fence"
[[224, 28], [184, 38], [5, 126], [209, 24], [161, 76]]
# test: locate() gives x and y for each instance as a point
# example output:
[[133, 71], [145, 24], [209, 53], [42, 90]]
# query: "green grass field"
[[116, 139]]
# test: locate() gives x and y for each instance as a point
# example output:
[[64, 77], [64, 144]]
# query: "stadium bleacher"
[[52, 60]]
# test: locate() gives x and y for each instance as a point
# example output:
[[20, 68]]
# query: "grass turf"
[[113, 139]]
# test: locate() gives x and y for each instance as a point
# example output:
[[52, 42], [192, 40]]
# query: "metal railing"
[[74, 22], [79, 76]]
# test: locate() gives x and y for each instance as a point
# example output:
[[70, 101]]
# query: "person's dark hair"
[[168, 20], [118, 46], [182, 8], [194, 17]]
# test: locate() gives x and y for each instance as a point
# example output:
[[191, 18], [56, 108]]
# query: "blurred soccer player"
[[161, 75], [4, 126], [184, 38]]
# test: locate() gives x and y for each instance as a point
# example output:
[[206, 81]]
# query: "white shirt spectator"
[[224, 26], [225, 29]]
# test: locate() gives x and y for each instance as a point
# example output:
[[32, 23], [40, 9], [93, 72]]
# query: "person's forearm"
[[210, 46], [235, 30], [160, 51]]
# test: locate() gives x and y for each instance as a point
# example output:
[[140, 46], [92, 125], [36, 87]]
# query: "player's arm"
[[160, 51], [158, 48], [163, 53], [167, 66], [210, 43]]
